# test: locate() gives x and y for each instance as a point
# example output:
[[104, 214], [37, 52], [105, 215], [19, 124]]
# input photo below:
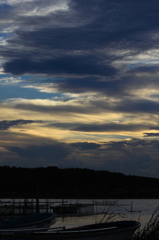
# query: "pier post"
[[37, 205]]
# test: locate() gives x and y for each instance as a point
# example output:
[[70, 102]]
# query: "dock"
[[11, 208]]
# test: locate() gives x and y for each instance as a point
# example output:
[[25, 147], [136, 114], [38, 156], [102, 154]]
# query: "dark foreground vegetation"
[[150, 230], [52, 182]]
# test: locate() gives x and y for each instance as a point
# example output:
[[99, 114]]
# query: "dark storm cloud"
[[81, 65], [109, 127], [5, 125], [137, 106], [136, 156], [119, 11], [141, 165], [130, 143], [105, 22], [41, 155], [151, 134], [47, 109], [122, 87], [155, 128], [85, 145], [89, 84], [82, 38], [109, 24], [55, 151]]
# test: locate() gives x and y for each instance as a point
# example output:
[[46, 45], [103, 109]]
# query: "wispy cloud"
[[5, 125]]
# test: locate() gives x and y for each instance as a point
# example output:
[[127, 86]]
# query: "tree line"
[[53, 182]]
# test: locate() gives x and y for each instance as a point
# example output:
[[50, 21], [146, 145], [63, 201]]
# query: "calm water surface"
[[130, 209]]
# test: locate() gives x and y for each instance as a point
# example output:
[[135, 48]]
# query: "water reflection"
[[130, 209]]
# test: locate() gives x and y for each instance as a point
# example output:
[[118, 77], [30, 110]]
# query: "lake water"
[[124, 209]]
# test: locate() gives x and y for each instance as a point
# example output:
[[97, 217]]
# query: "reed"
[[151, 229], [108, 215]]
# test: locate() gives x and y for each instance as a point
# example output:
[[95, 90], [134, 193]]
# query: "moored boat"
[[33, 221], [120, 230]]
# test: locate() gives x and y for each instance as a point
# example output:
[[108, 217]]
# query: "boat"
[[120, 230], [32, 221]]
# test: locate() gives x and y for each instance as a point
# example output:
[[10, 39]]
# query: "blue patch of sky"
[[4, 75], [4, 6], [133, 65], [13, 89], [49, 80], [18, 92], [38, 79], [4, 35], [30, 78]]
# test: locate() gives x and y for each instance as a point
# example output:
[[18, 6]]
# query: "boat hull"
[[121, 230], [33, 221]]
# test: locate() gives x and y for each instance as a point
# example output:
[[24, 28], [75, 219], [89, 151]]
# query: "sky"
[[79, 84]]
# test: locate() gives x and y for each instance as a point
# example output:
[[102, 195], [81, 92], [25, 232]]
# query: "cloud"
[[40, 153], [124, 87], [60, 45], [5, 125], [87, 105], [56, 151], [85, 145], [135, 85], [135, 156], [82, 65], [155, 128], [109, 127], [142, 165], [97, 62], [136, 106], [151, 134]]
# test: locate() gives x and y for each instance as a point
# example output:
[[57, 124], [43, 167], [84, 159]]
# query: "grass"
[[151, 229], [108, 215], [149, 232]]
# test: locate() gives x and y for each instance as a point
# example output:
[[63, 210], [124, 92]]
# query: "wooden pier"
[[19, 207], [14, 207]]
